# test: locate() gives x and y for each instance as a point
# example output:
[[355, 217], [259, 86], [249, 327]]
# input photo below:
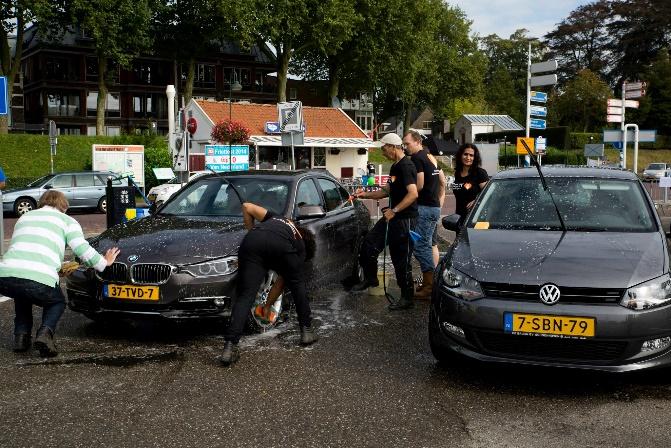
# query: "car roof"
[[271, 174], [601, 173]]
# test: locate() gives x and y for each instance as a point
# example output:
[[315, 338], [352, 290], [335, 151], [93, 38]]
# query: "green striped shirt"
[[38, 246]]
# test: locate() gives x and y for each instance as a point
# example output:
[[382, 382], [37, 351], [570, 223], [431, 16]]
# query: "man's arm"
[[379, 194], [420, 180], [442, 188], [251, 212]]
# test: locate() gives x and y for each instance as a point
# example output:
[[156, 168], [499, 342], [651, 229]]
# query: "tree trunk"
[[283, 57], [190, 75], [408, 114], [102, 95], [334, 82]]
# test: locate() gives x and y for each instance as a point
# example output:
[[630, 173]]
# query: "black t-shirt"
[[402, 174], [428, 195], [281, 227], [467, 188]]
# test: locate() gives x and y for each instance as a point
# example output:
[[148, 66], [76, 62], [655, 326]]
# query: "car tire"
[[442, 354], [102, 205], [24, 205], [254, 325]]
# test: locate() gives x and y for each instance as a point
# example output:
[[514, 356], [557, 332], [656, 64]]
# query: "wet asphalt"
[[370, 381]]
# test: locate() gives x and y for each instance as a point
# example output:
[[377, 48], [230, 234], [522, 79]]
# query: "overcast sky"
[[503, 17]]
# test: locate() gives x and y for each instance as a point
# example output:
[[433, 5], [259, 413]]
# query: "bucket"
[[379, 290]]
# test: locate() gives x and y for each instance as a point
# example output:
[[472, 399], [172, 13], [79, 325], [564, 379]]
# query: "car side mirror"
[[48, 187], [451, 222], [310, 212]]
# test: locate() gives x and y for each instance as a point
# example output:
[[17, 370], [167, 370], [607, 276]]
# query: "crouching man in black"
[[401, 217], [273, 243]]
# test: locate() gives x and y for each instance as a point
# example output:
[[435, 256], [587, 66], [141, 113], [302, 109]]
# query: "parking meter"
[[119, 198]]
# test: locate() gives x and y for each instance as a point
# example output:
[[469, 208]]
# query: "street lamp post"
[[234, 86]]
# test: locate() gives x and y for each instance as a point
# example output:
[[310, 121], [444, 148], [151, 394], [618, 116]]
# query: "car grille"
[[150, 273], [117, 272], [568, 294], [541, 347]]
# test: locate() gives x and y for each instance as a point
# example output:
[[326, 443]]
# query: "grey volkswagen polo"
[[571, 269]]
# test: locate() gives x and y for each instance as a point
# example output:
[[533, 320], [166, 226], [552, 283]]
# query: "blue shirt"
[[2, 176]]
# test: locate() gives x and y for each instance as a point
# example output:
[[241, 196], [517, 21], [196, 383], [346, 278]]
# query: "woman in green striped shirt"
[[29, 269]]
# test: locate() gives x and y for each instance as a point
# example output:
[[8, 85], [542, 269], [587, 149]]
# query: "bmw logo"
[[549, 294], [133, 258]]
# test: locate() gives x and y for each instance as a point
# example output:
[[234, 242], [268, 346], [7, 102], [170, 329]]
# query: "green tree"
[[582, 105], [659, 94], [120, 32]]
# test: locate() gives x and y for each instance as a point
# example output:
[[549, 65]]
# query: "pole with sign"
[[547, 79], [290, 116], [53, 141]]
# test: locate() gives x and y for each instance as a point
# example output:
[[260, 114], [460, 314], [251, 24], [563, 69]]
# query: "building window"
[[57, 69], [150, 105], [62, 104], [427, 125], [92, 104], [92, 70], [112, 106], [263, 82], [293, 93], [364, 120], [319, 157], [90, 130], [113, 131], [69, 130], [205, 76], [242, 75], [143, 72]]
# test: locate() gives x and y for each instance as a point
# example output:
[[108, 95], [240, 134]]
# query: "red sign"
[[191, 125], [382, 180]]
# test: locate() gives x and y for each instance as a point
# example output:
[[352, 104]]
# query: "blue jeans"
[[426, 226], [27, 293]]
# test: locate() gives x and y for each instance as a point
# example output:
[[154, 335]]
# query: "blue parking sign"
[[4, 102]]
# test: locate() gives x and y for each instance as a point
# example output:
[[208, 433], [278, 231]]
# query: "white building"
[[468, 126]]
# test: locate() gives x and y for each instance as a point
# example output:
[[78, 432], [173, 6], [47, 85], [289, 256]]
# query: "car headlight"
[[651, 294], [461, 285], [223, 266]]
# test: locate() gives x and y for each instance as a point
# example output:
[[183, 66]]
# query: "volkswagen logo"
[[133, 258], [549, 294]]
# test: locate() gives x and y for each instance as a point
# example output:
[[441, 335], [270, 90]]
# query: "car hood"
[[579, 259], [16, 192], [171, 239]]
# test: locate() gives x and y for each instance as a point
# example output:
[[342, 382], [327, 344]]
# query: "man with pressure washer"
[[394, 229]]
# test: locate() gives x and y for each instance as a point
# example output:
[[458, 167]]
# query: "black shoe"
[[308, 335], [22, 342], [406, 302], [230, 355], [44, 342], [364, 285]]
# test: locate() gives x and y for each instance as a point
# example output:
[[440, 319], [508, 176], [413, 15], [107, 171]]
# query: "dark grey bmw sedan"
[[573, 275]]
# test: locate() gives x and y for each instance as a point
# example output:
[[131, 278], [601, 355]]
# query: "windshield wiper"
[[545, 184], [229, 183]]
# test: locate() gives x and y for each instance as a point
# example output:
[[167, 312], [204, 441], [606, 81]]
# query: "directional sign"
[[614, 110], [538, 111], [634, 94], [614, 118], [615, 135], [537, 123], [635, 85], [627, 103], [594, 150], [290, 116], [519, 149], [539, 97], [547, 66], [3, 96], [614, 103], [544, 80]]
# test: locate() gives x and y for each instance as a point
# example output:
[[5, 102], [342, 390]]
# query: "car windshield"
[[213, 196], [586, 204], [657, 166], [40, 181]]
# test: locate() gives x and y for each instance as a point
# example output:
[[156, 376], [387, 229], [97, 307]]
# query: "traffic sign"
[[617, 145], [537, 123], [634, 94], [290, 116], [614, 118], [615, 135], [519, 149], [638, 85], [538, 111], [627, 103], [272, 127], [4, 99], [614, 110], [539, 97], [594, 150], [546, 66], [543, 80], [541, 144]]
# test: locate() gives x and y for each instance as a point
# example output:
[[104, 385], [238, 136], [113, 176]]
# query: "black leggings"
[[259, 253], [400, 248]]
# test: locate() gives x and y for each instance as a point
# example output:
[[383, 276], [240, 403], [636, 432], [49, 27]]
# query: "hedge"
[[559, 137], [553, 156], [25, 157]]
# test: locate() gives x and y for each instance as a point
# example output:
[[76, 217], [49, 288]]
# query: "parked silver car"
[[83, 189]]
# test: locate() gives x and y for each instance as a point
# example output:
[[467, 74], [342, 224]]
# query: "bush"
[[558, 137], [580, 139], [553, 156], [155, 158]]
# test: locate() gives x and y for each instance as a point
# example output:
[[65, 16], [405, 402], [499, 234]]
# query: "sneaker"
[[364, 285], [22, 342], [44, 342], [230, 355], [308, 335]]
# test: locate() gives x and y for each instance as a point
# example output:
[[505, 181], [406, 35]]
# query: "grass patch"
[[645, 157]]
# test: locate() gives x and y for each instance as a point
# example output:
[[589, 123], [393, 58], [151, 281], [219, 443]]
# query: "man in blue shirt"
[[2, 179]]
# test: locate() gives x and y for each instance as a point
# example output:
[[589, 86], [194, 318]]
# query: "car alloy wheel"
[[23, 205], [102, 205]]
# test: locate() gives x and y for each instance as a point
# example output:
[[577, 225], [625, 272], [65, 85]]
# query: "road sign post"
[[53, 141], [534, 81]]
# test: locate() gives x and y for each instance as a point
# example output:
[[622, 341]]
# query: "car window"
[[64, 181], [586, 204], [657, 166], [308, 194], [333, 200], [101, 179], [84, 180], [41, 181]]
